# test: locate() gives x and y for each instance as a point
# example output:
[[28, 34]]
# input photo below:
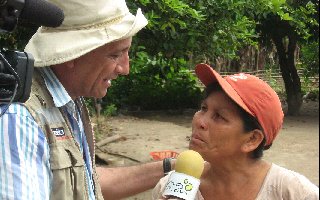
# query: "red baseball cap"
[[252, 94]]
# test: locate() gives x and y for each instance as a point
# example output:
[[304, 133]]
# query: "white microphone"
[[185, 181]]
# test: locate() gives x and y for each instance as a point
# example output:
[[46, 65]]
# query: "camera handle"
[[5, 64]]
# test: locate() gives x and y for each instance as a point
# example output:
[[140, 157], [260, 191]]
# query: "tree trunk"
[[289, 72], [235, 65], [257, 58], [262, 58], [219, 62]]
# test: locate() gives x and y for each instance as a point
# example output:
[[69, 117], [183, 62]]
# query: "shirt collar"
[[58, 92]]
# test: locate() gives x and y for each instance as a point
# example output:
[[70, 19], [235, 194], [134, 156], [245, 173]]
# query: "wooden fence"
[[274, 77]]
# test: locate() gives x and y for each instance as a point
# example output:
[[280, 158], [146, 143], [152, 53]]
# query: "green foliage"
[[310, 58], [8, 41], [90, 105], [204, 30], [275, 83], [16, 39], [229, 26], [309, 64], [155, 83], [292, 17], [181, 33], [168, 30], [301, 17], [110, 110]]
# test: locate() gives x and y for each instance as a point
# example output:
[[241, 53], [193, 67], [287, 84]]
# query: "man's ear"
[[253, 140], [69, 64]]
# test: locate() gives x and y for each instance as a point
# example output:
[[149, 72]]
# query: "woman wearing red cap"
[[239, 118]]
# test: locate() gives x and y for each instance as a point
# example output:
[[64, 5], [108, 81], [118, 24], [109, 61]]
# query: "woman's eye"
[[203, 108], [217, 116]]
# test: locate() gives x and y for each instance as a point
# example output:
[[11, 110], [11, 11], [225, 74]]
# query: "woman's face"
[[217, 128]]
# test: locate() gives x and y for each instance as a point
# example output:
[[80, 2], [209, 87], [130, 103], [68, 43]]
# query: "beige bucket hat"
[[87, 25]]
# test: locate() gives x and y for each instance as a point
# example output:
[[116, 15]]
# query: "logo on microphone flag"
[[182, 186]]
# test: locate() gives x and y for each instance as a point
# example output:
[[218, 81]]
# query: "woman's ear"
[[254, 139]]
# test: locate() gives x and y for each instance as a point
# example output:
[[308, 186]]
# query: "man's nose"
[[123, 66]]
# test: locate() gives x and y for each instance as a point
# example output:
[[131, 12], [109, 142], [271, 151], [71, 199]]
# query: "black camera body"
[[16, 69]]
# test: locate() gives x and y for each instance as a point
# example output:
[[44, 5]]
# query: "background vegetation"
[[277, 37]]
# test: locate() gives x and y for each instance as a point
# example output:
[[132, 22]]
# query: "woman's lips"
[[196, 139]]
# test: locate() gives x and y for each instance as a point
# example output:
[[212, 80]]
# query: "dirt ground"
[[296, 147]]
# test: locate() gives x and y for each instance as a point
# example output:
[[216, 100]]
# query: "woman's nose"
[[201, 122]]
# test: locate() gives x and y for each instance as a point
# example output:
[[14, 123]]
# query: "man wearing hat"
[[47, 144]]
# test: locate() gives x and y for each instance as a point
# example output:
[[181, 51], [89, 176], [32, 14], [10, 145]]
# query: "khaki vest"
[[66, 159]]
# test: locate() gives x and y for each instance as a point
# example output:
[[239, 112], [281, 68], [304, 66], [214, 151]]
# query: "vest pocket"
[[69, 179]]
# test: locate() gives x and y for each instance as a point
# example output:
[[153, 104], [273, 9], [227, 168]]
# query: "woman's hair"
[[249, 122]]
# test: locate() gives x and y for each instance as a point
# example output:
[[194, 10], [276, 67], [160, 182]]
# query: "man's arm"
[[121, 182]]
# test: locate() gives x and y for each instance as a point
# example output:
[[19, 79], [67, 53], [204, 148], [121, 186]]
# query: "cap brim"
[[208, 76]]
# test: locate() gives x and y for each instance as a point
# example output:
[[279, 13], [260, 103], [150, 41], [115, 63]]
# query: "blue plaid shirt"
[[25, 171]]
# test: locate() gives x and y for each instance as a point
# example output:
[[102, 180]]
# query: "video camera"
[[16, 68]]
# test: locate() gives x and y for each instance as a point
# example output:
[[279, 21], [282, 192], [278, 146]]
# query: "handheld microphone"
[[185, 181]]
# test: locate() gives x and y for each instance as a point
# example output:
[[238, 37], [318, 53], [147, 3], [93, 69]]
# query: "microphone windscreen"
[[42, 13], [191, 163]]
